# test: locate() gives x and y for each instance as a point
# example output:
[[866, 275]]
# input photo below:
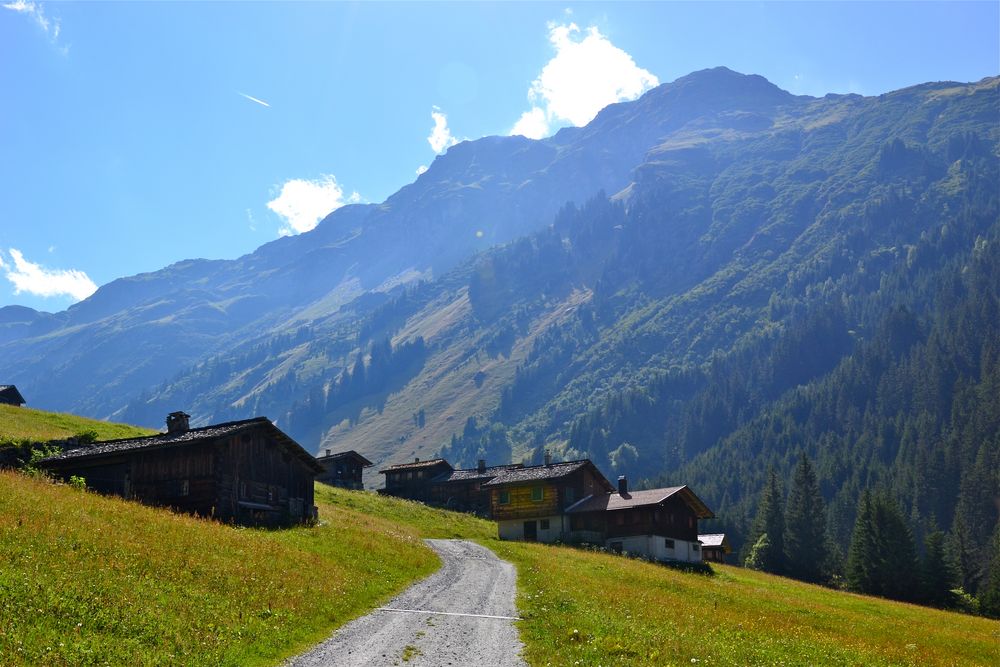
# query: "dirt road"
[[463, 614]]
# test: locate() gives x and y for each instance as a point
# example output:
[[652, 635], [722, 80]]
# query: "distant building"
[[529, 502], [715, 547], [343, 469], [9, 395], [413, 480], [435, 482], [247, 472], [573, 502], [661, 524]]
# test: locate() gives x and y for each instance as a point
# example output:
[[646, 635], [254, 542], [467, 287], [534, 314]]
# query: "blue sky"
[[134, 135]]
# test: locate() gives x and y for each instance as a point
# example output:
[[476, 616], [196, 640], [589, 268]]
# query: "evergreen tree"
[[805, 526], [770, 521], [937, 574], [989, 594], [861, 556]]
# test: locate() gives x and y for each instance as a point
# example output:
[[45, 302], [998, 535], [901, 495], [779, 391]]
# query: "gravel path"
[[463, 614]]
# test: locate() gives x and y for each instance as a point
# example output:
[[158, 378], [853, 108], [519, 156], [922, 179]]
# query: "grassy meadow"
[[588, 608], [27, 424], [89, 580]]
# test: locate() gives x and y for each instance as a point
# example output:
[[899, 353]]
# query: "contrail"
[[254, 99]]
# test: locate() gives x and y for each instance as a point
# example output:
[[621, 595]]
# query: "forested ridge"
[[782, 278]]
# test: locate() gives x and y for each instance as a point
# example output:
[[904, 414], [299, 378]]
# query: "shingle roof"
[[11, 393], [712, 540], [184, 438], [528, 474], [415, 465], [610, 502], [471, 474], [351, 454]]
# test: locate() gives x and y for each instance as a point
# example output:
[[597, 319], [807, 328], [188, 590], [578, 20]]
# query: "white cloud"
[[440, 138], [302, 204], [421, 169], [586, 74], [254, 99], [35, 279], [36, 11], [532, 124]]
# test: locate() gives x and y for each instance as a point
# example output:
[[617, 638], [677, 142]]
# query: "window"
[[570, 495], [690, 522], [695, 546], [243, 489], [504, 498], [620, 518], [537, 493], [544, 524], [668, 543], [185, 487]]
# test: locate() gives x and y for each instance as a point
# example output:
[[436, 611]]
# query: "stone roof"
[[472, 474], [713, 540], [191, 436], [610, 502], [350, 454], [528, 474], [415, 465]]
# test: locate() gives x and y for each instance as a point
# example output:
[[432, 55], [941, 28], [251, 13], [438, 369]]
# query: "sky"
[[135, 135]]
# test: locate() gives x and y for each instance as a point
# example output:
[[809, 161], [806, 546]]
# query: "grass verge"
[[89, 580]]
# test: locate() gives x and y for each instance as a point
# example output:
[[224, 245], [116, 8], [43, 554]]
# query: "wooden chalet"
[[529, 502], [9, 395], [343, 469], [463, 489], [247, 472], [661, 524], [715, 547], [413, 480]]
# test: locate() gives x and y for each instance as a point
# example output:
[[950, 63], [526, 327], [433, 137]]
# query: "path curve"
[[463, 614]]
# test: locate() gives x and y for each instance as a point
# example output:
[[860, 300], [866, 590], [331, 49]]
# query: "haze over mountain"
[[699, 284]]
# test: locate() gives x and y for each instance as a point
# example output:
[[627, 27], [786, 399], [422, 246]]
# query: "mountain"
[[707, 281]]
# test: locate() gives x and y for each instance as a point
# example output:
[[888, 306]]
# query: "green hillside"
[[89, 580], [589, 608], [25, 423]]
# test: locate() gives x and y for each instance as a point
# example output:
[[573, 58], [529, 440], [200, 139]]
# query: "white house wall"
[[654, 546], [513, 529]]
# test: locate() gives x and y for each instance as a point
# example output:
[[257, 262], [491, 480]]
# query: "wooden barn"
[[343, 469], [529, 502], [464, 491], [9, 395], [247, 472], [413, 480]]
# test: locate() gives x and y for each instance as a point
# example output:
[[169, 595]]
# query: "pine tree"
[[937, 574], [897, 556], [989, 594], [861, 556], [805, 526], [770, 521]]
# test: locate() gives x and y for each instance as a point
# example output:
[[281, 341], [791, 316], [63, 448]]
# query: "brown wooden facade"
[[672, 517], [343, 469], [413, 480], [526, 496], [247, 472]]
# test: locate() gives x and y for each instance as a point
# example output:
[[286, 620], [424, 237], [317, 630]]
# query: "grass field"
[[25, 423], [588, 608], [89, 580]]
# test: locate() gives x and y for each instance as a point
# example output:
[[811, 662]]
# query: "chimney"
[[416, 459], [622, 485], [328, 452], [481, 467], [548, 458], [177, 422]]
